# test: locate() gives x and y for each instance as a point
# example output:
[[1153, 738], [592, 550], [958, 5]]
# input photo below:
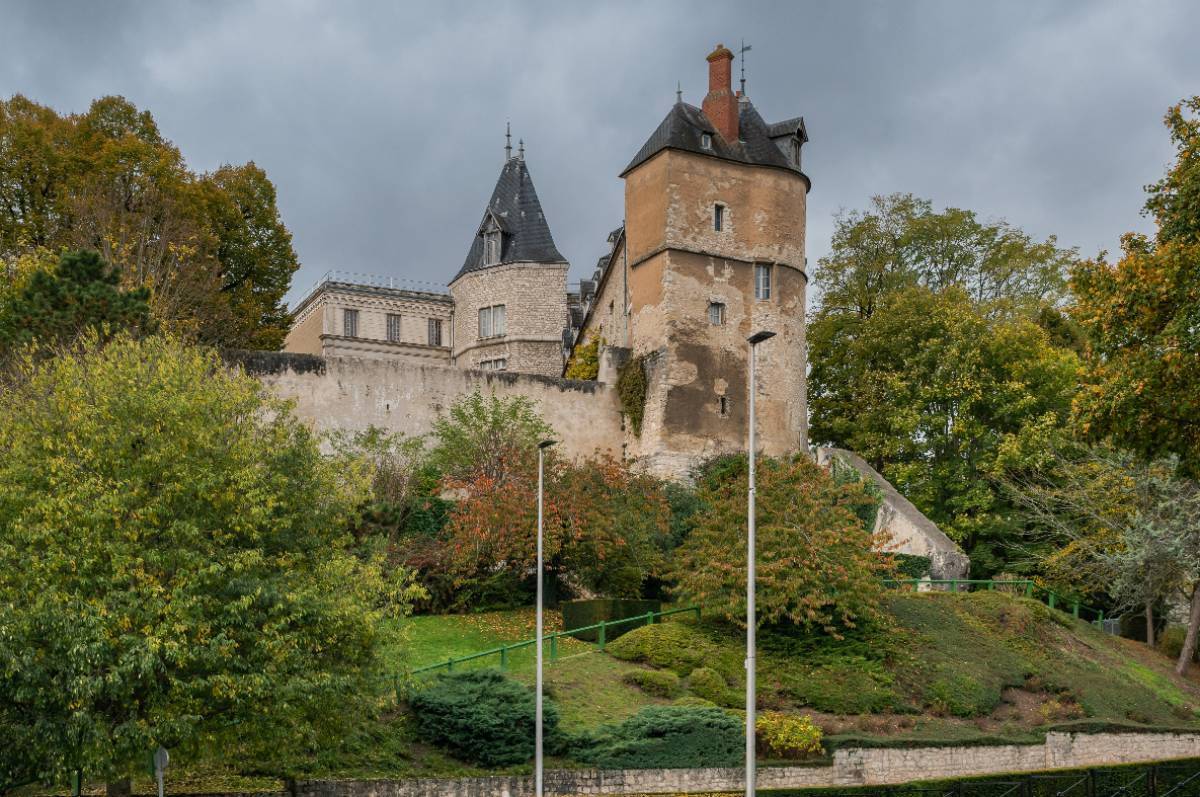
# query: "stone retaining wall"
[[853, 767]]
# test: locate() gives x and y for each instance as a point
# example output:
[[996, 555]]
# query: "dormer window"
[[796, 152], [706, 140], [491, 247]]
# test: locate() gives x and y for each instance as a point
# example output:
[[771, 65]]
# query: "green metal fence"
[[1028, 588], [601, 628]]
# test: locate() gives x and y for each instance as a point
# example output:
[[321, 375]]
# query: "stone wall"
[[349, 393], [908, 530], [853, 767]]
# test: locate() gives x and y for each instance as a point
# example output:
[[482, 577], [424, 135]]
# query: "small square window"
[[762, 282], [393, 328], [716, 313], [350, 323], [435, 332], [718, 217]]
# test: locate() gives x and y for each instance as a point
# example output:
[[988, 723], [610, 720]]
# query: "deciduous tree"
[[174, 568], [817, 565]]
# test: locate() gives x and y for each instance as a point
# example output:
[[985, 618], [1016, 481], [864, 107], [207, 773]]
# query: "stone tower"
[[510, 297], [713, 251]]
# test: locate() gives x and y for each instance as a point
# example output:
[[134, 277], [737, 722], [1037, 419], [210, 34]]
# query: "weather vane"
[[742, 58], [507, 141]]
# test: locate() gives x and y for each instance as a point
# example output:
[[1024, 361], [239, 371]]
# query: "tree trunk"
[[1150, 623], [118, 788], [1189, 641]]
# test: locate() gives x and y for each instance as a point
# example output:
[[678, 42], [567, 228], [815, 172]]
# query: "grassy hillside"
[[978, 669], [946, 667]]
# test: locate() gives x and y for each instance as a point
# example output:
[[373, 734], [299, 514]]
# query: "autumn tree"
[[1142, 318], [174, 568], [211, 248], [606, 526], [817, 563], [942, 398]]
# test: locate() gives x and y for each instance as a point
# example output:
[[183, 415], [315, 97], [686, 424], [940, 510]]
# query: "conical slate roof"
[[515, 207], [685, 124]]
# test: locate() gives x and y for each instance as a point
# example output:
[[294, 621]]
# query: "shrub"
[[787, 736], [481, 717], [911, 566], [1170, 641], [662, 683], [709, 684], [676, 646], [660, 737], [961, 695], [631, 387]]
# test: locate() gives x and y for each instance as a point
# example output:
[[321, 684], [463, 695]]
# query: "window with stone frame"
[[496, 364], [350, 323], [718, 217], [716, 313], [492, 321], [762, 282], [393, 327], [435, 332]]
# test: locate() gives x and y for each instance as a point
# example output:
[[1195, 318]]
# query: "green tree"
[[57, 304], [210, 247], [817, 565], [902, 242], [174, 568], [487, 437], [942, 397], [1142, 319]]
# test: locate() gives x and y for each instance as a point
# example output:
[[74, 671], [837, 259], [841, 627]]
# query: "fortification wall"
[[350, 393]]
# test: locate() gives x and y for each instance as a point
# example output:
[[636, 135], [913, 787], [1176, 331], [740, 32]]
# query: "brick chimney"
[[720, 104]]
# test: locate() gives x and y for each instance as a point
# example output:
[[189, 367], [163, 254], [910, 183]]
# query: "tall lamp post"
[[537, 738], [751, 618]]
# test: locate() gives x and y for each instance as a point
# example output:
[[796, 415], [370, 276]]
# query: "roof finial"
[[507, 141], [521, 150], [678, 91], [742, 59]]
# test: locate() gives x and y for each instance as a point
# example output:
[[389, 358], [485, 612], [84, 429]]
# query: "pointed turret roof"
[[685, 125], [515, 208]]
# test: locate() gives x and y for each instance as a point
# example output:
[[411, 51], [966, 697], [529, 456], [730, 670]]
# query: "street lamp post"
[[537, 738], [751, 618]]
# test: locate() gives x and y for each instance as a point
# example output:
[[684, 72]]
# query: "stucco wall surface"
[[351, 393], [854, 767]]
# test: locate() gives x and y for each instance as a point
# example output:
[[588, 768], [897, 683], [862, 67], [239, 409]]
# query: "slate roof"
[[518, 212], [684, 125]]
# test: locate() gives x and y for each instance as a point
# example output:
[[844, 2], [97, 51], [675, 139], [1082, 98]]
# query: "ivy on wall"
[[631, 387], [585, 359]]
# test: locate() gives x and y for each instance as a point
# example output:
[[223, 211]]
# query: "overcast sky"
[[382, 124]]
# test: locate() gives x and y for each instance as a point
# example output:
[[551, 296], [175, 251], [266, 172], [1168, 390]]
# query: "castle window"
[[491, 321], [723, 406], [718, 217], [706, 140], [716, 313], [499, 364], [796, 152], [762, 282], [435, 332], [491, 247], [393, 328], [350, 323]]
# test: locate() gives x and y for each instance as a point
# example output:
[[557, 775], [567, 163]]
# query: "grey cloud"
[[382, 124]]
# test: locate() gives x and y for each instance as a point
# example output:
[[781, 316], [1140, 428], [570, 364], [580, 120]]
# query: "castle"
[[711, 250]]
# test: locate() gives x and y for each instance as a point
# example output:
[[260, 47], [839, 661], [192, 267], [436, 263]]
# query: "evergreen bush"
[[661, 683], [788, 736], [707, 683], [481, 717], [660, 737]]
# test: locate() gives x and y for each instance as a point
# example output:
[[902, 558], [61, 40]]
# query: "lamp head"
[[546, 443], [760, 336]]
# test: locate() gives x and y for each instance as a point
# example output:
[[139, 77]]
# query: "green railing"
[[601, 628], [1025, 587]]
